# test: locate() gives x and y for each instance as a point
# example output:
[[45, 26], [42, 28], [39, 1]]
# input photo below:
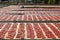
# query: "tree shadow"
[[2, 5]]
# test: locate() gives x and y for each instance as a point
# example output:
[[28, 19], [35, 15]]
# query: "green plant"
[[50, 1]]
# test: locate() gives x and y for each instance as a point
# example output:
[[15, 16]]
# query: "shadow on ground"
[[3, 5]]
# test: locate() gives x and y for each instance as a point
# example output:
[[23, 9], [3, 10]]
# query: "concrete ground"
[[3, 5]]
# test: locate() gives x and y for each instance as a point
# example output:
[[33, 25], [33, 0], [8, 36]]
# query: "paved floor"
[[29, 30], [41, 5]]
